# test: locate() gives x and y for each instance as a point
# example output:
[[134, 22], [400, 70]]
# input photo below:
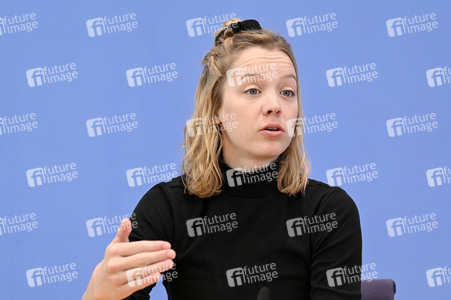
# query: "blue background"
[[163, 108]]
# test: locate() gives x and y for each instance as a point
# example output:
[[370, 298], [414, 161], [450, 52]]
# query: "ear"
[[217, 119]]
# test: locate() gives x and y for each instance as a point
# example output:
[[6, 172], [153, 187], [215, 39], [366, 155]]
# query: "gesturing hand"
[[113, 277]]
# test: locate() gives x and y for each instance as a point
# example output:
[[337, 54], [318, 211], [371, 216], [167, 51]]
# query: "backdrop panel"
[[94, 97]]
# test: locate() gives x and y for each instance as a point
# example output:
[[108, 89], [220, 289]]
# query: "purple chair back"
[[378, 289]]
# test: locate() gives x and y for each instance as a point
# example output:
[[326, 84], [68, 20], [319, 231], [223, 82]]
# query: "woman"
[[244, 221]]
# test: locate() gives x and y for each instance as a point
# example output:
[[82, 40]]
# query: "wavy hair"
[[203, 176]]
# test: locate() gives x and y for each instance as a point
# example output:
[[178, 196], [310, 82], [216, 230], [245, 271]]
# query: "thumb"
[[263, 294], [123, 232]]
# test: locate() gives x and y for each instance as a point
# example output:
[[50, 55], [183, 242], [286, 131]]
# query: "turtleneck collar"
[[253, 183]]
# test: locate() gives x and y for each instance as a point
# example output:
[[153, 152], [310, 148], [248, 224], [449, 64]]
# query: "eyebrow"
[[286, 76]]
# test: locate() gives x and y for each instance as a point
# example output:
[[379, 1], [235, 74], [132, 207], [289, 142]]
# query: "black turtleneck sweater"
[[254, 242]]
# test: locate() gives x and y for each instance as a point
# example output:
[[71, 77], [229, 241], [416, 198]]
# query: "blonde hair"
[[203, 176]]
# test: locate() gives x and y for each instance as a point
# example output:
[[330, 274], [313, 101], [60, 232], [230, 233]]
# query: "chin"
[[270, 154], [275, 148]]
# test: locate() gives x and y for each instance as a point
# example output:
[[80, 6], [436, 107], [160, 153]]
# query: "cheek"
[[242, 127], [293, 109], [239, 129], [228, 110], [247, 121]]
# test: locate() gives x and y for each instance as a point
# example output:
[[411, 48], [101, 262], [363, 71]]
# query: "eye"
[[288, 95], [252, 91]]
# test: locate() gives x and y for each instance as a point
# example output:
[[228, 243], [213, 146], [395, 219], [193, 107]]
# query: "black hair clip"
[[240, 26]]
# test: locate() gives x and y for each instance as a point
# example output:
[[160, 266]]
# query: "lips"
[[273, 127]]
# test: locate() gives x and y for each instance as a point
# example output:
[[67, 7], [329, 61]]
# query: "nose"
[[271, 105]]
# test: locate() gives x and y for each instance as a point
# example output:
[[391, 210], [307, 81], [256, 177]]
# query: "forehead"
[[259, 56]]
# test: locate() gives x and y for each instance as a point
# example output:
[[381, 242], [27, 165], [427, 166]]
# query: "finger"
[[132, 286], [123, 232], [263, 294], [160, 267], [145, 259], [128, 288], [128, 249], [132, 277]]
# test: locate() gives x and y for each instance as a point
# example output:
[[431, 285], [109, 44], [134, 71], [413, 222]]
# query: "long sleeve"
[[311, 263], [151, 220], [337, 254]]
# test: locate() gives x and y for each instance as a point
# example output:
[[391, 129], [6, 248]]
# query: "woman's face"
[[252, 102]]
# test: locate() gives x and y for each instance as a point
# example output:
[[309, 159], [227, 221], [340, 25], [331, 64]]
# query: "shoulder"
[[323, 195], [176, 183], [167, 190], [161, 199]]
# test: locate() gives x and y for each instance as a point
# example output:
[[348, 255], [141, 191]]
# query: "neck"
[[236, 162], [250, 182]]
